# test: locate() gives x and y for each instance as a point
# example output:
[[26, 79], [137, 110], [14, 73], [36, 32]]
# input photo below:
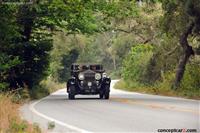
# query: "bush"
[[3, 85], [45, 88], [52, 85], [136, 87], [191, 78], [115, 74], [135, 64], [51, 125], [190, 84], [39, 91]]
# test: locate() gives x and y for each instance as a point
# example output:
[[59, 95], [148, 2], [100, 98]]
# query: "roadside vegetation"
[[145, 77], [10, 119], [139, 41], [171, 65], [152, 45]]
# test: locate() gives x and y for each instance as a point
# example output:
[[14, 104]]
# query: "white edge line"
[[71, 127]]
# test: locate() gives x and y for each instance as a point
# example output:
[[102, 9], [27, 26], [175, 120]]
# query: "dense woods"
[[148, 43]]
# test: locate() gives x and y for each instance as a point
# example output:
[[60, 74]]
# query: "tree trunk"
[[187, 52]]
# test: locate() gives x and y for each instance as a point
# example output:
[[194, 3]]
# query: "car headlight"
[[97, 76], [104, 75], [81, 76]]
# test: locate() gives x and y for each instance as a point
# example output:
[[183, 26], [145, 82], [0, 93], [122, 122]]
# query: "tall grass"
[[10, 121]]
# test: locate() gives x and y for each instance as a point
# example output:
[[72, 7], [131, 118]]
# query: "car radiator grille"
[[89, 77]]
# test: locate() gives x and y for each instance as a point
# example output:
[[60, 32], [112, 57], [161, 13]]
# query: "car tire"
[[71, 96], [101, 96], [107, 92], [107, 95]]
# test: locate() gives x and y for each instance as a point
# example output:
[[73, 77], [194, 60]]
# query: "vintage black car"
[[88, 79]]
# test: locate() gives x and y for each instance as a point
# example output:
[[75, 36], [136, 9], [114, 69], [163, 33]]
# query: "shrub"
[[190, 84], [51, 125], [135, 64], [39, 91], [191, 78], [45, 88]]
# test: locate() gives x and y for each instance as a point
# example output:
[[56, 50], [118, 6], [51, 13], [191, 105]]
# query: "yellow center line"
[[155, 105]]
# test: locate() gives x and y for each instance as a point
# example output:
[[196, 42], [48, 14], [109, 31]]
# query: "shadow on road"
[[78, 97]]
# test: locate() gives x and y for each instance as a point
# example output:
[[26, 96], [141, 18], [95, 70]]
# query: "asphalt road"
[[123, 112]]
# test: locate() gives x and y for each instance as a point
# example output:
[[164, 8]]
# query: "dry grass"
[[10, 121]]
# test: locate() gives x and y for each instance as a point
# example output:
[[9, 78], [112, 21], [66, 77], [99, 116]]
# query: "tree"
[[8, 32], [26, 36], [66, 62], [182, 19]]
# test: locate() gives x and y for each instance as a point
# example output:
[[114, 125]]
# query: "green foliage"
[[39, 91], [18, 127], [44, 88], [39, 41], [179, 14], [120, 9], [26, 37], [190, 85], [191, 79], [35, 60], [74, 16], [134, 66], [90, 53], [67, 60], [175, 18], [8, 31], [65, 53], [181, 19], [51, 125], [24, 51]]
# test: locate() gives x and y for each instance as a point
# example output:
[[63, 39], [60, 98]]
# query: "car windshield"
[[87, 67], [96, 67]]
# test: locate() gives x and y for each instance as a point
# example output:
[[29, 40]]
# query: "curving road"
[[123, 112]]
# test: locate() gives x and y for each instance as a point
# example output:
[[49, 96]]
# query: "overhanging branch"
[[133, 29]]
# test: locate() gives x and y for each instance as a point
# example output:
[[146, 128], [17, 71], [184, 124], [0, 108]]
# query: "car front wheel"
[[107, 92], [101, 96], [107, 95], [71, 96]]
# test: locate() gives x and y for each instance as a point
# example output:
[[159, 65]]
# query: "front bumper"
[[88, 87]]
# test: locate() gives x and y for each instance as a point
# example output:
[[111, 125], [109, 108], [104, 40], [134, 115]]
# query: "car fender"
[[70, 82], [106, 82]]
